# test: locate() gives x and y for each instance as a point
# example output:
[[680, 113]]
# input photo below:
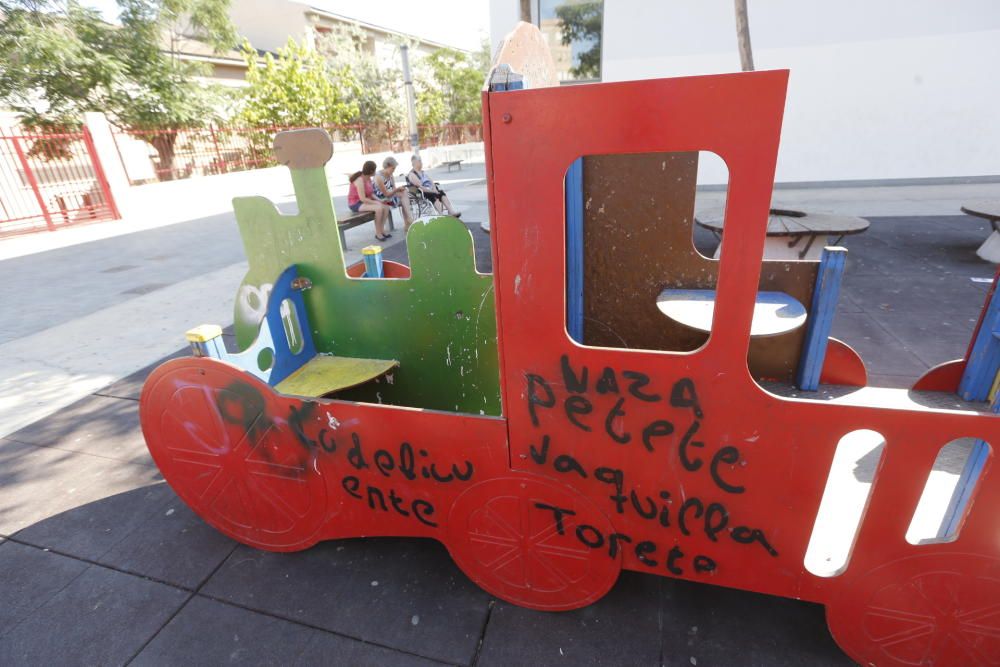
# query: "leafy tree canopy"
[[378, 92], [58, 60], [459, 78], [298, 88]]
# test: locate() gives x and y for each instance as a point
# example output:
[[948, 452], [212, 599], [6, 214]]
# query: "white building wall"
[[879, 89], [269, 25]]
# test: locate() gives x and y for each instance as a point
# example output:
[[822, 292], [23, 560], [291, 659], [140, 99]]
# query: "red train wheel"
[[208, 429], [525, 540], [936, 609]]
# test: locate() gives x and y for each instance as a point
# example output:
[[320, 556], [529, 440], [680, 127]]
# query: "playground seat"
[[283, 354], [774, 313]]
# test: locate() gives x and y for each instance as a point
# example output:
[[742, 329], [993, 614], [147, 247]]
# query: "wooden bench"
[[350, 219], [453, 163]]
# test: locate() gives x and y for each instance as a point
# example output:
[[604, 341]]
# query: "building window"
[[572, 29]]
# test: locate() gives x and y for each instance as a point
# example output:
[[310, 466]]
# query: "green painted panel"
[[324, 374], [440, 324]]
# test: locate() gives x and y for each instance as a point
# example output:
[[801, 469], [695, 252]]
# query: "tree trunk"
[[743, 36], [526, 11], [164, 142]]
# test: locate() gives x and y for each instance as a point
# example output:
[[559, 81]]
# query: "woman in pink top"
[[361, 197]]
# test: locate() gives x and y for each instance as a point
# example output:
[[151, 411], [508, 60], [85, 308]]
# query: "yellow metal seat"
[[325, 374]]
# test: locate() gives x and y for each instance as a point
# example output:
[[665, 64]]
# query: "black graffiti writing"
[[577, 405], [693, 515], [616, 413], [746, 535], [728, 455], [691, 465], [612, 543], [535, 400], [407, 464], [375, 498], [683, 395], [574, 383]]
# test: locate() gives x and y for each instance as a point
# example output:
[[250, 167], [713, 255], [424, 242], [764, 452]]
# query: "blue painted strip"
[[515, 85], [984, 359], [821, 312], [574, 250], [287, 362], [373, 266], [966, 484]]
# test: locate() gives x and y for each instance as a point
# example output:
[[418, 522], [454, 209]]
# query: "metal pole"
[[411, 106], [743, 36]]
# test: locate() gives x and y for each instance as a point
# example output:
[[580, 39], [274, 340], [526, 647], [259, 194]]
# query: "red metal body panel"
[[676, 464]]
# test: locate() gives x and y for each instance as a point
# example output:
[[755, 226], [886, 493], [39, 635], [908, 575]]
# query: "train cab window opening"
[[631, 234]]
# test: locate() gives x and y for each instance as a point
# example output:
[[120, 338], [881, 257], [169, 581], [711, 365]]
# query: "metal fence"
[[150, 156], [49, 180]]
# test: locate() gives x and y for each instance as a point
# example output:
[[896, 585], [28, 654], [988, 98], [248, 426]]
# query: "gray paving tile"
[[130, 386], [39, 483], [882, 353], [30, 578], [172, 545], [891, 381], [934, 340], [325, 649], [102, 617], [208, 632], [919, 293], [95, 425], [623, 628], [404, 594], [89, 530], [709, 625]]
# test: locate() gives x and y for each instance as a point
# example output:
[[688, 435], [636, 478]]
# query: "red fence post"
[[102, 180], [218, 154], [33, 182]]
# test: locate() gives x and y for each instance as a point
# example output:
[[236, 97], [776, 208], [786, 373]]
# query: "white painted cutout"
[[845, 499], [948, 492]]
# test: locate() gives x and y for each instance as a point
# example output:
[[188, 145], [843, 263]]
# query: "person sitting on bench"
[[418, 178], [361, 197], [387, 192]]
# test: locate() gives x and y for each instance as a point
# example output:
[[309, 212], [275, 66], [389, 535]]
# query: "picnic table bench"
[[453, 163], [350, 219]]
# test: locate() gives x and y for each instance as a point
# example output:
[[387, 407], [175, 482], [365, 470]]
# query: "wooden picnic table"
[[988, 209], [788, 228]]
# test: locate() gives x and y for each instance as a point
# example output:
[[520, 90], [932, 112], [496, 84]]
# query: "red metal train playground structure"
[[442, 403]]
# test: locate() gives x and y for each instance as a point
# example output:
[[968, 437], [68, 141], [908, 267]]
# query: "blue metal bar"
[[372, 255], [574, 250], [977, 381], [821, 312], [966, 484], [984, 359]]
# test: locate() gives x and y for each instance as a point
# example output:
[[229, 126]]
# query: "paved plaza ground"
[[100, 563]]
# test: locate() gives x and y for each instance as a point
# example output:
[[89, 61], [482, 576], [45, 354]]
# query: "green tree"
[[459, 77], [56, 64], [60, 60], [378, 91], [580, 22], [298, 88]]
